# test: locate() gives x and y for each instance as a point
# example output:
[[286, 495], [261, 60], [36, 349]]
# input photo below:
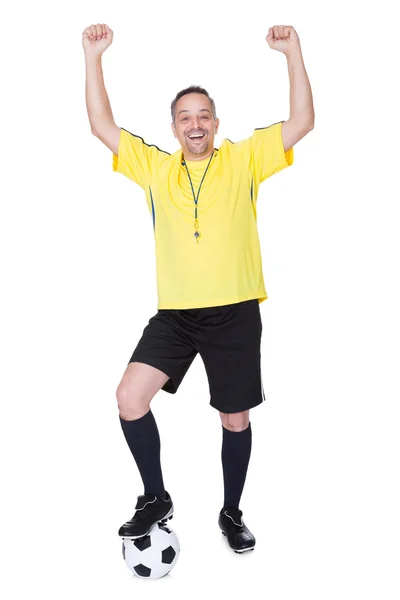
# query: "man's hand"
[[283, 38], [96, 39]]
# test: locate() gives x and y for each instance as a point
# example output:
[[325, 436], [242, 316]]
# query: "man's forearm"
[[97, 102], [301, 101]]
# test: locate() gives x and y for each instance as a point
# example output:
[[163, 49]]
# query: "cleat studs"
[[165, 519]]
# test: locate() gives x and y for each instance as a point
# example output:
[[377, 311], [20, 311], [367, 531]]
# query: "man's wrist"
[[93, 58], [294, 55]]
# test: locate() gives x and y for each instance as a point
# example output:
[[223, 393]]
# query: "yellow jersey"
[[224, 265]]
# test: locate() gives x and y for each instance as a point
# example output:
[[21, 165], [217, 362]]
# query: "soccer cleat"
[[231, 524], [150, 510]]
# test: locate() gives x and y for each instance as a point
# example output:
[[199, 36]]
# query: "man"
[[202, 201]]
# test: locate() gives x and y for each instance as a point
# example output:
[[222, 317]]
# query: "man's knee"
[[132, 404], [137, 388], [235, 421]]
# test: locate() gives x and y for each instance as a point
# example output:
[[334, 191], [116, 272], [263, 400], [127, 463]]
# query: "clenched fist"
[[283, 38], [96, 39]]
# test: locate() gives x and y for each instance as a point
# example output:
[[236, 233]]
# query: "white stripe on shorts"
[[262, 388]]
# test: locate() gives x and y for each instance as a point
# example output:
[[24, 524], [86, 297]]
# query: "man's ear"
[[173, 129], [216, 125]]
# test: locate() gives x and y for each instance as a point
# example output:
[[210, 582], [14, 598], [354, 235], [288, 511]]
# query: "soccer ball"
[[153, 555]]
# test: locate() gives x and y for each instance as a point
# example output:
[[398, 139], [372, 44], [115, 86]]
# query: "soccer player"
[[202, 202]]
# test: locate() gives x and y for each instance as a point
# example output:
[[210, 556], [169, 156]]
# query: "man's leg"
[[137, 388], [236, 450], [230, 350]]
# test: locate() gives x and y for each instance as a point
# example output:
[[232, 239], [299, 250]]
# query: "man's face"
[[194, 116]]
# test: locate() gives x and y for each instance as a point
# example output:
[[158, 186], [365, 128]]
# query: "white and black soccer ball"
[[154, 555]]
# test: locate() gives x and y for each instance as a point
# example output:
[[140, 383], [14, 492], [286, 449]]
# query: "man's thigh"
[[142, 380], [165, 346]]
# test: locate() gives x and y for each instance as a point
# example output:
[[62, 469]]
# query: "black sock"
[[236, 450], [144, 442]]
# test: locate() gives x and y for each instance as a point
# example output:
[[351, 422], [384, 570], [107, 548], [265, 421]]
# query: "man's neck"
[[196, 157]]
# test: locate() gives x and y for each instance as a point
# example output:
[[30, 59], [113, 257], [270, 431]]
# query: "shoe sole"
[[167, 517], [238, 551]]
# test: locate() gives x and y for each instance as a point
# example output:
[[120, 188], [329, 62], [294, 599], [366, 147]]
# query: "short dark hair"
[[193, 89]]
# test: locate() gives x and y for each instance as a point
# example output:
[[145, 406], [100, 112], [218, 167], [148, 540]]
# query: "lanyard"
[[196, 198]]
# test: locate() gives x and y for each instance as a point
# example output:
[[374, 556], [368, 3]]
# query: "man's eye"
[[205, 117], [184, 118]]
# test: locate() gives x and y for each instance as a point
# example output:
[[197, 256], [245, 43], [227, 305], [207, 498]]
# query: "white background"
[[78, 288]]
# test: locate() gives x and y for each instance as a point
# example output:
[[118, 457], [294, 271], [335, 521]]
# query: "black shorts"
[[228, 339]]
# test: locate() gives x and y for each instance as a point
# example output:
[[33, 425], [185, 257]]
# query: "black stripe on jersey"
[[152, 209], [149, 145]]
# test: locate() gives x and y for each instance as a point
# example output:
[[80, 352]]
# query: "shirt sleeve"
[[264, 152], [136, 159]]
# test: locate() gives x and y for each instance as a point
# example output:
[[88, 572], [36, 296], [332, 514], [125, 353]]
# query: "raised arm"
[[95, 40], [301, 120]]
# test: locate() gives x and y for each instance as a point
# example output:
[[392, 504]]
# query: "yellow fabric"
[[225, 266]]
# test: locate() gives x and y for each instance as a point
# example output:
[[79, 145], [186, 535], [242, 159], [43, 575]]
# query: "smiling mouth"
[[197, 138]]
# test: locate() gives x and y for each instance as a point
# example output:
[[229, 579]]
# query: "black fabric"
[[236, 450], [228, 339], [143, 440]]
